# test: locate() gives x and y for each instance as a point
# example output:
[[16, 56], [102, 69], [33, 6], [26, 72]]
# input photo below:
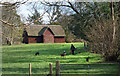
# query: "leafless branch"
[[13, 25], [7, 23], [13, 4], [54, 4], [71, 6], [62, 5]]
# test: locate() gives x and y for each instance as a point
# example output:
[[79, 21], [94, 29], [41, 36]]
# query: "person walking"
[[72, 49]]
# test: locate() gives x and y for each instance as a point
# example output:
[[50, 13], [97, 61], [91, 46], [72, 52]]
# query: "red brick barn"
[[44, 34]]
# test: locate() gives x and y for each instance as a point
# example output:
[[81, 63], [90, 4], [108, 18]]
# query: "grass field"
[[16, 58]]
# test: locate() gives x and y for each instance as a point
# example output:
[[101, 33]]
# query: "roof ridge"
[[35, 30]]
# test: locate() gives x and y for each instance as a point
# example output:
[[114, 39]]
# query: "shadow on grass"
[[26, 70], [39, 59]]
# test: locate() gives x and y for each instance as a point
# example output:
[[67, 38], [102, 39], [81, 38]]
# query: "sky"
[[24, 10]]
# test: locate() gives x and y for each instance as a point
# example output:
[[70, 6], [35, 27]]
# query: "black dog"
[[87, 59], [37, 53]]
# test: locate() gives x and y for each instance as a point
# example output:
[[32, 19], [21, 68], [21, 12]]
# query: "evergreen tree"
[[35, 18]]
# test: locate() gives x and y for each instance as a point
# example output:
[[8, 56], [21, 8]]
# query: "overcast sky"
[[25, 9]]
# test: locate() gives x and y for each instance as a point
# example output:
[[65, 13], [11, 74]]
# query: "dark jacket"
[[72, 47]]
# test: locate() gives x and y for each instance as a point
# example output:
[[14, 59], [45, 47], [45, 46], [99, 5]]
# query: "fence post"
[[57, 68], [50, 72], [84, 46], [30, 69], [119, 68]]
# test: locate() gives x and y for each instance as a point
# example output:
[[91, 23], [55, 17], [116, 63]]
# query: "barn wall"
[[48, 37], [35, 39], [59, 39]]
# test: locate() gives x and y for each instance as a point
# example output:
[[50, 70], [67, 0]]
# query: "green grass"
[[16, 58]]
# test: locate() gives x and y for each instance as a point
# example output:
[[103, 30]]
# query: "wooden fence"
[[87, 68]]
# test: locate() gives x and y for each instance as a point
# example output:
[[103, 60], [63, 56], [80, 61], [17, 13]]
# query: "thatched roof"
[[38, 30]]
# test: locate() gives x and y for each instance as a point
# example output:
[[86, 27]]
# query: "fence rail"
[[89, 68], [85, 72], [86, 68], [92, 64]]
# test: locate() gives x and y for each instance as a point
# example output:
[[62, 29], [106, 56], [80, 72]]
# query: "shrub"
[[100, 39]]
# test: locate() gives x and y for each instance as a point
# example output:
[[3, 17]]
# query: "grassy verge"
[[16, 58]]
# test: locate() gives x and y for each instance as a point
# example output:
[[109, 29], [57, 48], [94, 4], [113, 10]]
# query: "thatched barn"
[[44, 34]]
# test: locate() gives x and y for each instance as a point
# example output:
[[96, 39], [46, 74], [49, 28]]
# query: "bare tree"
[[104, 37], [62, 4], [53, 14], [100, 39], [16, 3], [113, 19], [11, 21]]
